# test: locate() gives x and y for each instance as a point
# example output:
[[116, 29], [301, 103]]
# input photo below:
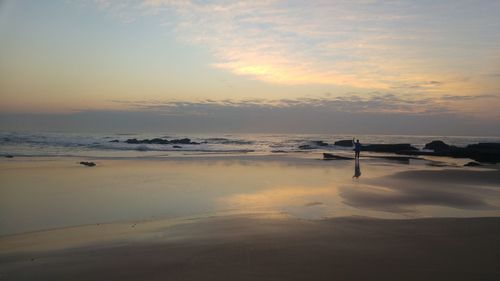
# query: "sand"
[[258, 247], [251, 221]]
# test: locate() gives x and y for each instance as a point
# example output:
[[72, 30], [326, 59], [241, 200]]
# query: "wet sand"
[[248, 219], [259, 247]]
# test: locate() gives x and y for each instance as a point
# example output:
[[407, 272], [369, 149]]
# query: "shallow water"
[[43, 193]]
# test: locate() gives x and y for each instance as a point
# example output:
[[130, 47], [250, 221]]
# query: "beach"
[[191, 140], [248, 217]]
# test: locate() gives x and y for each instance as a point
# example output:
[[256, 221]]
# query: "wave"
[[228, 141]]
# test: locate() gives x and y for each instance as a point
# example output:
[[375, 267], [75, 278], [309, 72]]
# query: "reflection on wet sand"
[[122, 190], [409, 191], [357, 169]]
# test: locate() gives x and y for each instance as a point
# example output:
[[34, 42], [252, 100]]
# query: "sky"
[[337, 66]]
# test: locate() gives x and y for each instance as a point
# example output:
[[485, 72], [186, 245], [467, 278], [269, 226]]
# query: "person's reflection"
[[357, 169]]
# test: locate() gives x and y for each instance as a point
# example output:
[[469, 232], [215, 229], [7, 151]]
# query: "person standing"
[[357, 149]]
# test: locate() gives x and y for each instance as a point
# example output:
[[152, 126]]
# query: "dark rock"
[[398, 147], [114, 141], [132, 141], [306, 147], [88, 164], [437, 145], [345, 143], [161, 141], [183, 141], [472, 164], [319, 143], [9, 156], [484, 146], [177, 146], [158, 141], [483, 156], [481, 152], [329, 156]]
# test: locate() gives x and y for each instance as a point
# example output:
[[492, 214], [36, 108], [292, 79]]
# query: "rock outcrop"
[[480, 152], [344, 143], [161, 141], [183, 141], [437, 145], [394, 148]]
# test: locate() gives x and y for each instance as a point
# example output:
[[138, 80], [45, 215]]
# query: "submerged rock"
[[88, 164], [345, 143], [177, 146], [472, 164], [9, 156], [114, 141]]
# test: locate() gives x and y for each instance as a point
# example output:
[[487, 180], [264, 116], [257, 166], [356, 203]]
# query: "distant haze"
[[331, 117]]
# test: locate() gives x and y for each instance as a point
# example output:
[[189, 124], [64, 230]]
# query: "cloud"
[[287, 43], [364, 44], [376, 113], [374, 102], [468, 97]]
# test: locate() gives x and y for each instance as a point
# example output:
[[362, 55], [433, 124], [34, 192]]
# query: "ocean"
[[42, 144]]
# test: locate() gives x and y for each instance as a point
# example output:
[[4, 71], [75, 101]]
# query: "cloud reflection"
[[279, 198]]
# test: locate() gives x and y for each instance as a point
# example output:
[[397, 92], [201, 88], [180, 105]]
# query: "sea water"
[[115, 145]]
